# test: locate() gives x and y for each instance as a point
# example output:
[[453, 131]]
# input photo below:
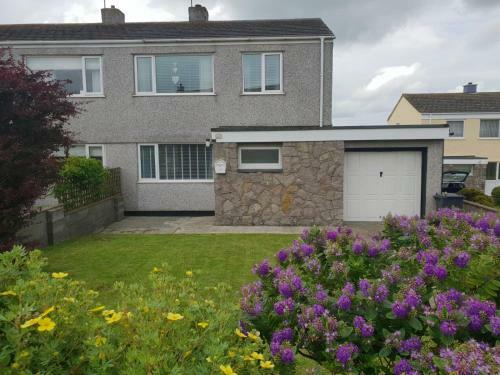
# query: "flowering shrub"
[[395, 303], [53, 324]]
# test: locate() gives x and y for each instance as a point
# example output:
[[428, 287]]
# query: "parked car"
[[453, 181]]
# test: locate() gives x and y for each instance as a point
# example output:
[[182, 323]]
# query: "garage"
[[377, 182], [304, 175]]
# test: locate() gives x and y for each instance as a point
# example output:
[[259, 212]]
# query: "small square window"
[[456, 129], [260, 157]]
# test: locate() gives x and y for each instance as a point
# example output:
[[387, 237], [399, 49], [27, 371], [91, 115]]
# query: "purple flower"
[[358, 321], [403, 367], [285, 290], [373, 250], [413, 344], [462, 260], [318, 310], [305, 234], [440, 273], [385, 245], [429, 269], [297, 283], [364, 286], [367, 330], [496, 230], [495, 325], [345, 353], [344, 302], [400, 310], [381, 293], [475, 323], [284, 306], [349, 289], [263, 269], [282, 255], [321, 294], [357, 246], [448, 328], [287, 356], [412, 299], [307, 250], [332, 235]]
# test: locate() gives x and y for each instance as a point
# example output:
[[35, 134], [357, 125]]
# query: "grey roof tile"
[[455, 102]]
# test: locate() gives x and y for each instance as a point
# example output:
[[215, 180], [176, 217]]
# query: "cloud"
[[390, 73]]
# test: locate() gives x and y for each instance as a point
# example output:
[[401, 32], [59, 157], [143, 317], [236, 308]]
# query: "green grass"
[[100, 260]]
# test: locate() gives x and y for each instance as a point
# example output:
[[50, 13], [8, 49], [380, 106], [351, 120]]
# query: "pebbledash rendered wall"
[[307, 191]]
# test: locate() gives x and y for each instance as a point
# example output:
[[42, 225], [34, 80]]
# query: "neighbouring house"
[[474, 120], [231, 117]]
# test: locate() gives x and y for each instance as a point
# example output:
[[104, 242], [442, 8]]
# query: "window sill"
[[186, 94], [262, 93], [175, 181], [457, 138], [87, 96], [488, 138], [280, 170]]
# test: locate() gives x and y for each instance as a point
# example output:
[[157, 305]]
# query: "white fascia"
[[450, 160], [333, 134], [461, 116]]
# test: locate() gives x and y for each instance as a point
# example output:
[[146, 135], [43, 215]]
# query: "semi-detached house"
[[166, 102]]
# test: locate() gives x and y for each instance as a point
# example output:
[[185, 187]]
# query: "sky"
[[383, 47]]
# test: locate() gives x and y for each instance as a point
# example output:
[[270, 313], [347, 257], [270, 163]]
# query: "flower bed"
[[418, 298]]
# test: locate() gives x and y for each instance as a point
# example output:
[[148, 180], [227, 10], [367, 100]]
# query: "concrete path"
[[205, 224]]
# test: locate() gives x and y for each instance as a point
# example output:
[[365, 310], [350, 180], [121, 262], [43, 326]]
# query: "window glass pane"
[[185, 162], [272, 72], [61, 68], [252, 72], [456, 128], [93, 74], [144, 74], [260, 156], [184, 74], [95, 152], [488, 128], [78, 150], [148, 165], [491, 171]]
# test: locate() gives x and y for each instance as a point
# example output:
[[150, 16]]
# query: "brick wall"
[[307, 191]]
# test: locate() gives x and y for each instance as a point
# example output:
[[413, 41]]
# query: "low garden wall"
[[479, 208], [55, 225]]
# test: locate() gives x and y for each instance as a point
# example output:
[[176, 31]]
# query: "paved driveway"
[[206, 224]]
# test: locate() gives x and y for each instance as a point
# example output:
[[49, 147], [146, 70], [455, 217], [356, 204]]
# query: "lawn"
[[100, 260]]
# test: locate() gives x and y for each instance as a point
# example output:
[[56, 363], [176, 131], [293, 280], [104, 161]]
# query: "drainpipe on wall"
[[321, 80]]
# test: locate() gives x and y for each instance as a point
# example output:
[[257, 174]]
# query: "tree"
[[34, 110]]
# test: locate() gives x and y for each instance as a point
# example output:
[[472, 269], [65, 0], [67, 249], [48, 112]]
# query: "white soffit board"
[[460, 116], [339, 134], [448, 160]]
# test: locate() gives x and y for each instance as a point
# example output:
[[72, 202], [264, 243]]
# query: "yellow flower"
[[227, 370], [59, 275], [189, 273], [177, 302], [96, 309], [69, 299], [46, 324], [115, 317], [239, 333], [203, 325], [99, 341], [231, 354], [174, 317], [30, 323], [187, 354], [130, 315], [8, 293], [248, 358], [24, 353], [108, 312], [258, 356], [48, 311], [253, 337], [15, 365], [156, 270], [208, 359], [266, 364]]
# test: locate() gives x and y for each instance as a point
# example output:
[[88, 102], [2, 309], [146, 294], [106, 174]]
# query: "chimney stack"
[[112, 15], [198, 13], [470, 88]]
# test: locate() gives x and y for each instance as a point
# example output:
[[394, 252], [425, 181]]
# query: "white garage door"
[[376, 183]]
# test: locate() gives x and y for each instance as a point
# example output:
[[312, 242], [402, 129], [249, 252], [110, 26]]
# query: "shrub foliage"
[[419, 298], [477, 196]]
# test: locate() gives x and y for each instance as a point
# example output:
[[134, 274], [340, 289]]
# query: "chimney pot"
[[112, 15], [470, 88], [198, 13]]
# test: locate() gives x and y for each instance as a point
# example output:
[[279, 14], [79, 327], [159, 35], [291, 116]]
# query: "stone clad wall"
[[307, 191]]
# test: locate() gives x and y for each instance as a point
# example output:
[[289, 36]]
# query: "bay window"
[[174, 74], [175, 162], [489, 129], [82, 73], [262, 73]]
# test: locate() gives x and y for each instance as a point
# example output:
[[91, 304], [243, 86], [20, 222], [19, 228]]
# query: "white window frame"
[[157, 180], [153, 78], [463, 129], [498, 127], [87, 151], [83, 93], [263, 90], [260, 166]]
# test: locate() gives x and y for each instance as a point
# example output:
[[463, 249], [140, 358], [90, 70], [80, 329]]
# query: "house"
[[474, 120], [231, 117]]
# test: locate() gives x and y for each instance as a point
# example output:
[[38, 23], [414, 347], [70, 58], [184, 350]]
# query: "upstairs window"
[[174, 74], [262, 73], [456, 129], [84, 74], [489, 129]]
